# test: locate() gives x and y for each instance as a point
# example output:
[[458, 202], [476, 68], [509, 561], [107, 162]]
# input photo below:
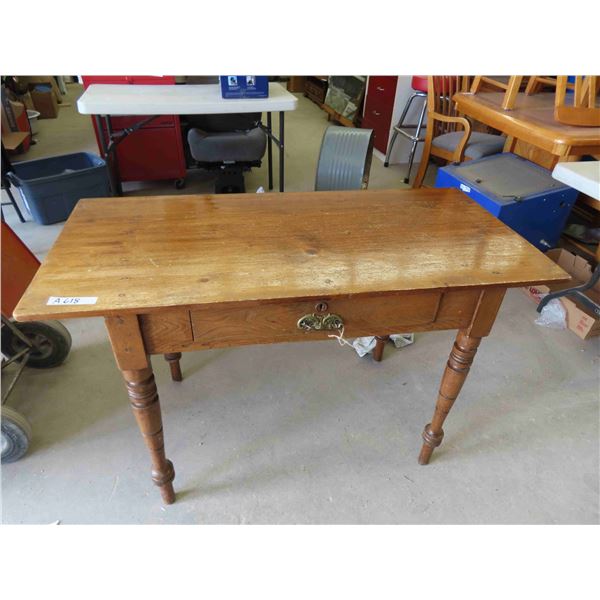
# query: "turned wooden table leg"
[[173, 359], [457, 369], [380, 341], [455, 374], [128, 347], [143, 397]]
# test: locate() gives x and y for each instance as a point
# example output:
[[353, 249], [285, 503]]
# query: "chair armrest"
[[459, 151]]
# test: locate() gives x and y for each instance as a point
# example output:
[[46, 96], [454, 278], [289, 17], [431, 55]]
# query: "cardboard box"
[[580, 319], [27, 101], [16, 133], [45, 102], [32, 80]]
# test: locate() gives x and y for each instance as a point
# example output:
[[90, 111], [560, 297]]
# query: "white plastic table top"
[[104, 99], [583, 176]]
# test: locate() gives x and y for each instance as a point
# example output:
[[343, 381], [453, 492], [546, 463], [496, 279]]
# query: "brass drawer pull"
[[314, 322]]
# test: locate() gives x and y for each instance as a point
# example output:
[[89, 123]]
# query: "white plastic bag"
[[553, 315], [402, 339], [364, 345]]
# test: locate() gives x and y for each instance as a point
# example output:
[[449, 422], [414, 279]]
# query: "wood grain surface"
[[270, 322], [531, 120], [145, 254]]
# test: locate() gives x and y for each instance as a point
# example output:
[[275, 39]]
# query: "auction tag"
[[54, 300]]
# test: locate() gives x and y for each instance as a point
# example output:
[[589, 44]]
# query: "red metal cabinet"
[[379, 105], [151, 148], [153, 152]]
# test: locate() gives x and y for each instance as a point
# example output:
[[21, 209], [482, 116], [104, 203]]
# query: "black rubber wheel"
[[16, 435], [51, 338], [405, 180], [179, 184]]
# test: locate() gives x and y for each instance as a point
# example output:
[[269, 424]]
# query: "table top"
[[583, 176], [105, 99], [532, 120], [142, 254]]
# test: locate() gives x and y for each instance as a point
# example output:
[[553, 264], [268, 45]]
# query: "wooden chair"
[[511, 87], [448, 135], [536, 83], [582, 111]]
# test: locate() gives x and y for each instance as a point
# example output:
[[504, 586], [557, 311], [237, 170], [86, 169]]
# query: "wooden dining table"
[[173, 274], [532, 122]]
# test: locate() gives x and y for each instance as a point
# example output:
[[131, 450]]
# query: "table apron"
[[236, 324]]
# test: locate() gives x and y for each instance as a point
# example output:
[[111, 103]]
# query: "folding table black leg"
[[113, 162], [281, 150], [105, 151], [270, 151], [14, 204]]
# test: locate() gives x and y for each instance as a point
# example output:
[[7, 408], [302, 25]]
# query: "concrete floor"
[[254, 439]]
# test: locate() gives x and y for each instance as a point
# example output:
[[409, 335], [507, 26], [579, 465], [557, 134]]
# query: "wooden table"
[[531, 121], [181, 273]]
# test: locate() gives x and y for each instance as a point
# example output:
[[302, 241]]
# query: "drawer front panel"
[[277, 321], [234, 325], [381, 92]]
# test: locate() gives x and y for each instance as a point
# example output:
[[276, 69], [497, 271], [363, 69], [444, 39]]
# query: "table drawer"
[[235, 324], [271, 322]]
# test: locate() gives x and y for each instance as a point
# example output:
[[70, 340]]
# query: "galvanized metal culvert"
[[345, 159]]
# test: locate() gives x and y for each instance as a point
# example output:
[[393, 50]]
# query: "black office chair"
[[230, 144]]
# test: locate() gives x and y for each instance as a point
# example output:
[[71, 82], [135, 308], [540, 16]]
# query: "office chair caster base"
[[405, 180], [179, 184], [386, 164]]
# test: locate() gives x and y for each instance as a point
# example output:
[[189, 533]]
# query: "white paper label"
[[55, 300], [465, 188]]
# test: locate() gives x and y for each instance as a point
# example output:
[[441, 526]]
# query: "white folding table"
[[584, 176], [104, 101]]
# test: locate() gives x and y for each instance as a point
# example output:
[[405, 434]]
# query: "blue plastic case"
[[521, 194]]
